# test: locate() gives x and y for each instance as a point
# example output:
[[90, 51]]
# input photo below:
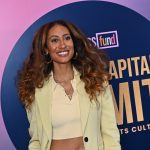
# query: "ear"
[[79, 47], [45, 51]]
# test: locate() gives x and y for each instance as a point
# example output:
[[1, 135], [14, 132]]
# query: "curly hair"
[[91, 63]]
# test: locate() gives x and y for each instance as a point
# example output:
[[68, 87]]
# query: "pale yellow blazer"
[[99, 127]]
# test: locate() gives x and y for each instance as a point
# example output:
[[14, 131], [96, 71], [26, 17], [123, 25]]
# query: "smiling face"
[[60, 45]]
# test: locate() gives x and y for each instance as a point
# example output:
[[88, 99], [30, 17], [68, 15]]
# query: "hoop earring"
[[75, 56], [47, 57], [49, 62]]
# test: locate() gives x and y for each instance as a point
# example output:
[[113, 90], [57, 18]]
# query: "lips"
[[63, 53]]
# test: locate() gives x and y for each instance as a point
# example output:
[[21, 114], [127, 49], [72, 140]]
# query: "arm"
[[34, 142], [109, 130]]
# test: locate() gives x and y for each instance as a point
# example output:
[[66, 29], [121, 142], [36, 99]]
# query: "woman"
[[64, 87]]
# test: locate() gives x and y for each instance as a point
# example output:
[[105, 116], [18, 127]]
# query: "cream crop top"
[[66, 121]]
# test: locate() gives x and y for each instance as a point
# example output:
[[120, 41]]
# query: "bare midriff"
[[68, 144]]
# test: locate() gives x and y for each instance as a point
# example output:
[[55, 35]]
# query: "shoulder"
[[46, 85], [106, 94], [44, 91]]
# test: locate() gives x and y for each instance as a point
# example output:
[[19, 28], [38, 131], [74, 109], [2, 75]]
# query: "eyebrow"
[[58, 36]]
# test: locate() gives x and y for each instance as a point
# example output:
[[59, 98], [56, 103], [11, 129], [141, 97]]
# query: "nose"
[[62, 44]]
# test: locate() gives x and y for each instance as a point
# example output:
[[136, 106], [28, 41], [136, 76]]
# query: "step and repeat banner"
[[125, 36]]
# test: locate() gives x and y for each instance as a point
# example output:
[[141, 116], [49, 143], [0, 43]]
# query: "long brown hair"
[[88, 60]]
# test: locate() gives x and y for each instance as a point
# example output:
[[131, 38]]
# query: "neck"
[[63, 72]]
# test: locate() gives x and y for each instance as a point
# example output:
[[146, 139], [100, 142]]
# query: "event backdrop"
[[124, 34]]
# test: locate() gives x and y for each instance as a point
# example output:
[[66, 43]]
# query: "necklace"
[[69, 92], [63, 81], [66, 84]]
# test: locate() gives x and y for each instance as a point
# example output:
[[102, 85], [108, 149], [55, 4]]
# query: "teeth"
[[63, 53]]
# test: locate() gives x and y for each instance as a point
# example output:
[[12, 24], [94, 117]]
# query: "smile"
[[63, 53]]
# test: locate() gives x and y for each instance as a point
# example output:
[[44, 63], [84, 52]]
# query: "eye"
[[68, 37], [54, 40]]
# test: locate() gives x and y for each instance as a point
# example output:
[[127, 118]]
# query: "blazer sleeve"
[[34, 143], [109, 130]]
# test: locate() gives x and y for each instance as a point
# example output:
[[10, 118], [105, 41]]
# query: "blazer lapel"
[[43, 97], [84, 102]]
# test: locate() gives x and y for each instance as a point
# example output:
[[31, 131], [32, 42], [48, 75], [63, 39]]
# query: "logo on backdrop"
[[105, 39]]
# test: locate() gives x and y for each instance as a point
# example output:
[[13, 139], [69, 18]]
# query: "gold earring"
[[47, 57], [75, 56]]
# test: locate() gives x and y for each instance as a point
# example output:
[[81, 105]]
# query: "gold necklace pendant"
[[70, 97], [69, 92]]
